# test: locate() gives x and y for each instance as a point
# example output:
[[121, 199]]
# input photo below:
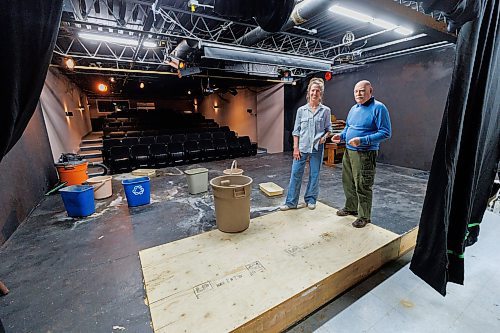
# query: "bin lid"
[[77, 188], [195, 171], [135, 180], [70, 163]]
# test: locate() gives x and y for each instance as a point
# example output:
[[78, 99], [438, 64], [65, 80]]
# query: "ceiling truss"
[[169, 25]]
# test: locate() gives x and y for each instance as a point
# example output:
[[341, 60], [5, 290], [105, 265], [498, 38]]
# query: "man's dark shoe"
[[345, 212], [360, 222]]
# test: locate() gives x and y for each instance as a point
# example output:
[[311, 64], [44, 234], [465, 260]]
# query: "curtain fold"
[[29, 31], [467, 151]]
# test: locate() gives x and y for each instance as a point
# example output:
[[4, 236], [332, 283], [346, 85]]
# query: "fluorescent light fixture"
[[403, 31], [149, 44], [116, 40], [350, 13], [368, 19], [383, 24]]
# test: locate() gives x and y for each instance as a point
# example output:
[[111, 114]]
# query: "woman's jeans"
[[312, 191]]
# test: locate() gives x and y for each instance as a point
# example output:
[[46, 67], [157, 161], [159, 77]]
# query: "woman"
[[312, 128]]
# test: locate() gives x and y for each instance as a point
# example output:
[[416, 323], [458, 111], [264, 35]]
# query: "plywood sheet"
[[285, 265]]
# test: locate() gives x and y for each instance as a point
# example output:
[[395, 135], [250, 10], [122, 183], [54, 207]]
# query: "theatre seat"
[[159, 155]]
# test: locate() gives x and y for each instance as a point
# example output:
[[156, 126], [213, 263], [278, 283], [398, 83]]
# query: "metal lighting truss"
[[168, 26], [416, 5]]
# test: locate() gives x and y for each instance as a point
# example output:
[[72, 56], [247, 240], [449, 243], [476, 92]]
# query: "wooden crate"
[[279, 270]]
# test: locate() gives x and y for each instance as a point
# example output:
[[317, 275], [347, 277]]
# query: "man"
[[312, 127], [367, 125]]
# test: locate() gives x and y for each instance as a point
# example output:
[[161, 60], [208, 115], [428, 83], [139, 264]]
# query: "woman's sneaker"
[[286, 207]]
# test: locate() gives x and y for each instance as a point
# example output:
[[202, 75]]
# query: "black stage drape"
[[29, 29], [467, 151]]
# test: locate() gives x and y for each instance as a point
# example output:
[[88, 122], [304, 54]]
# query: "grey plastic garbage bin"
[[197, 180], [232, 202]]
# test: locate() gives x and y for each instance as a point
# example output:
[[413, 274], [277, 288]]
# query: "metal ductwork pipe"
[[182, 49], [302, 12]]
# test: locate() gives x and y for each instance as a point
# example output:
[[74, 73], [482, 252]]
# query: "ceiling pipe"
[[302, 12], [140, 71], [359, 52], [184, 48], [412, 50], [113, 60], [117, 70]]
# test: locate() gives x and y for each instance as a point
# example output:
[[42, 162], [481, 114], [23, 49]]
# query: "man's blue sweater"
[[370, 122]]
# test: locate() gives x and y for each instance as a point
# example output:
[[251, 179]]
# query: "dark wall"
[[26, 173], [414, 88], [295, 97]]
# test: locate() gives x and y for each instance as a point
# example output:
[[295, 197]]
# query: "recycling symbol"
[[138, 190]]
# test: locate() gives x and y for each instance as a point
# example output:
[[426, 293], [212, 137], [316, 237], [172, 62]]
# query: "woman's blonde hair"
[[319, 81]]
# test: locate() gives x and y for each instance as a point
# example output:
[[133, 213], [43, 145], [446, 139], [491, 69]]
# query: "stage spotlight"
[[70, 63], [102, 87]]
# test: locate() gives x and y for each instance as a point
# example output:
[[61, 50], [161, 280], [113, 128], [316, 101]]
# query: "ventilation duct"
[[303, 12], [271, 15], [184, 48]]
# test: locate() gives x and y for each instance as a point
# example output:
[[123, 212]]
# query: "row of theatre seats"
[[169, 131], [159, 120], [125, 154]]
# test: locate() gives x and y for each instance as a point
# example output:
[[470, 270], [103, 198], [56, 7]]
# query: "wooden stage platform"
[[283, 267]]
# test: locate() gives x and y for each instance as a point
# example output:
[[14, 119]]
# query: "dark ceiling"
[[230, 51]]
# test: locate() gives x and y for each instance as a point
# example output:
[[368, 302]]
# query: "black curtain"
[[29, 31], [467, 151]]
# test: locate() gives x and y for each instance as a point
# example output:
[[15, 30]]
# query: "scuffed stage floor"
[[84, 275]]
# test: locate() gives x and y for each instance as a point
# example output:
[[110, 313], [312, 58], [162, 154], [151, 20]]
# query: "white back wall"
[[270, 118], [232, 111], [58, 96]]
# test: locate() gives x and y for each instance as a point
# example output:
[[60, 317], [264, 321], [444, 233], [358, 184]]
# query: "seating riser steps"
[[90, 155], [88, 148], [91, 141]]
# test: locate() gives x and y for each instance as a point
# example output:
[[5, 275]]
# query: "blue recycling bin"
[[137, 191], [78, 200]]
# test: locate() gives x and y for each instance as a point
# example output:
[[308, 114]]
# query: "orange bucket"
[[72, 174]]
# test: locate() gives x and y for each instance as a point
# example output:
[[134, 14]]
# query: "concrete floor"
[[84, 275], [404, 303]]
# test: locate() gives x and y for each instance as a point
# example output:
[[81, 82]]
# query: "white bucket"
[[102, 186], [233, 170]]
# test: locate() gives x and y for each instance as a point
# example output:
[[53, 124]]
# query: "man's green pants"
[[358, 174]]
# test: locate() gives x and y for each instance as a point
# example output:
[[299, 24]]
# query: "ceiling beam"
[[421, 22]]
